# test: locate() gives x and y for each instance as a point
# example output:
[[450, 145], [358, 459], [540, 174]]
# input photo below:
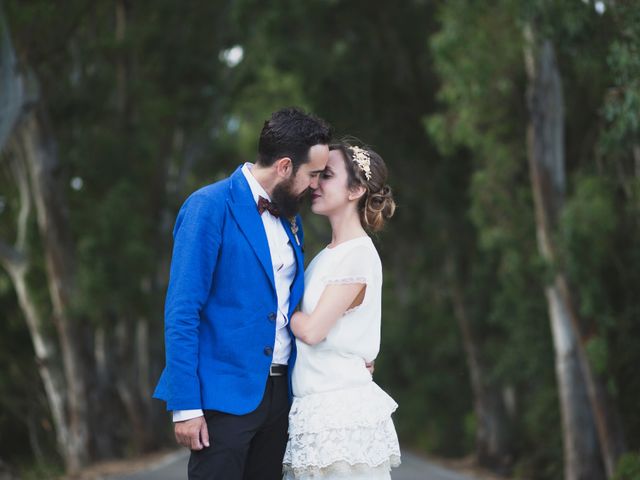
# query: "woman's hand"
[[371, 366]]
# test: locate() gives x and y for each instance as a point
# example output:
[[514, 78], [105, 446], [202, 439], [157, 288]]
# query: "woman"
[[340, 423]]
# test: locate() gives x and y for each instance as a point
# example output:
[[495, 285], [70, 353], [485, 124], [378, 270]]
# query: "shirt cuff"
[[182, 415]]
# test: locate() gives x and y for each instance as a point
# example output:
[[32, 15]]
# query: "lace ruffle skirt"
[[345, 433]]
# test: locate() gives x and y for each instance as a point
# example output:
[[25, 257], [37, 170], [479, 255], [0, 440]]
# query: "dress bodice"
[[339, 360]]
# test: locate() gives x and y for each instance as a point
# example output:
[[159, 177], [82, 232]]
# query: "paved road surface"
[[174, 467]]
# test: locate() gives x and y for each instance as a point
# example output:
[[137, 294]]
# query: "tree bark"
[[102, 394], [36, 141], [133, 386], [492, 442], [636, 161], [12, 93], [143, 363], [24, 126], [15, 261], [588, 418], [134, 405]]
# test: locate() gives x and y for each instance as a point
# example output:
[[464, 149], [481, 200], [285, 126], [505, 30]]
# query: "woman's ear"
[[357, 192], [284, 167]]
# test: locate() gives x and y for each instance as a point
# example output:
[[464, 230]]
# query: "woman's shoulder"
[[361, 249], [357, 256], [357, 244]]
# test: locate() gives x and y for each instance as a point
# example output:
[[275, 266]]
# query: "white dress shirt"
[[284, 271]]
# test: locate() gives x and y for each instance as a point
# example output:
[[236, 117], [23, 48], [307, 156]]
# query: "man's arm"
[[197, 237]]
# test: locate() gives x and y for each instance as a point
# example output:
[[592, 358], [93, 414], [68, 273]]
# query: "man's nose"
[[313, 184]]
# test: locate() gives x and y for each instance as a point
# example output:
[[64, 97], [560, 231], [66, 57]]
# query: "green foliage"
[[588, 222], [40, 471], [22, 399], [598, 351], [438, 89], [622, 106], [479, 58], [628, 467]]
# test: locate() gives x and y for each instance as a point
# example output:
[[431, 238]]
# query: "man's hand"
[[371, 366], [192, 433]]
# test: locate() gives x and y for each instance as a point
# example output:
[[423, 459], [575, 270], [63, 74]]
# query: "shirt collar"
[[256, 189]]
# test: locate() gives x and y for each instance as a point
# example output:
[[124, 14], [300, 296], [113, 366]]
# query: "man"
[[237, 274]]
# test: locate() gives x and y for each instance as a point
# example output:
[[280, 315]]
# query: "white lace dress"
[[340, 423]]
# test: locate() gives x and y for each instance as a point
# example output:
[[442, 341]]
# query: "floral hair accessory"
[[362, 158]]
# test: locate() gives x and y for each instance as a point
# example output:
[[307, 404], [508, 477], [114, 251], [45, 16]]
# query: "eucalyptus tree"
[[122, 108], [565, 91]]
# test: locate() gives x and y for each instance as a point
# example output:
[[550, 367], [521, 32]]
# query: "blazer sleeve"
[[197, 236]]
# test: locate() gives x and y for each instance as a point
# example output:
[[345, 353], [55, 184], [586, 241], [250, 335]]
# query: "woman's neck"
[[345, 226]]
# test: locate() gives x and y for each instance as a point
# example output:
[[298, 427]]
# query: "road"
[[174, 467]]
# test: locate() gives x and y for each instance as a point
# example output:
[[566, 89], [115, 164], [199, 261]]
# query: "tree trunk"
[[125, 379], [37, 143], [143, 363], [492, 442], [587, 416], [102, 396], [24, 126], [636, 161], [133, 384], [12, 93], [15, 261]]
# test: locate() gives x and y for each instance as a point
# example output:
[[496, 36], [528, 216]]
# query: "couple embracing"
[[258, 389]]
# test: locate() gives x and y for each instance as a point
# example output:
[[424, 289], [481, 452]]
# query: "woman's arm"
[[334, 302]]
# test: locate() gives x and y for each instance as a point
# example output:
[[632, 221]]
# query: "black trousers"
[[246, 447]]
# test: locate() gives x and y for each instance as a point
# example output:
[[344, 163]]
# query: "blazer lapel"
[[295, 243], [298, 283], [245, 212]]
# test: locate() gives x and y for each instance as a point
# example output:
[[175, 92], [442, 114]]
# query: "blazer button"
[[272, 317], [268, 351]]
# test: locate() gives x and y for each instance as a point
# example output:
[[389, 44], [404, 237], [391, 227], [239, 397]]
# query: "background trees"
[[135, 104]]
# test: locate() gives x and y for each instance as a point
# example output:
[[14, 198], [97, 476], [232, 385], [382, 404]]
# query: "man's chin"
[[291, 212], [288, 203], [291, 209], [303, 196], [295, 206]]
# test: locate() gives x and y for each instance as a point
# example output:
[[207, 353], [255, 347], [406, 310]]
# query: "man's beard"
[[287, 201]]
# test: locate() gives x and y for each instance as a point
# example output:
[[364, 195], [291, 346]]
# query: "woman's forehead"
[[335, 160]]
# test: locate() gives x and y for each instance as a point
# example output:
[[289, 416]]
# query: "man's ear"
[[284, 167], [357, 192]]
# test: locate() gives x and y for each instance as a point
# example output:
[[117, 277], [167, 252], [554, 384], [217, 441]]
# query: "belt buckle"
[[274, 373]]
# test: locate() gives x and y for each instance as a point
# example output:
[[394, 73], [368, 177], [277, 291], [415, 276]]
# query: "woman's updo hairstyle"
[[366, 168]]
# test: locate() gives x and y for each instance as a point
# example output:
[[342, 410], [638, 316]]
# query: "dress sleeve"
[[355, 266]]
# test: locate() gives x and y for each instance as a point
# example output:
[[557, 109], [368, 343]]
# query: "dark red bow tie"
[[264, 204]]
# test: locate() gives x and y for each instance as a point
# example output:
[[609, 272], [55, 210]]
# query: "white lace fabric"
[[341, 432]]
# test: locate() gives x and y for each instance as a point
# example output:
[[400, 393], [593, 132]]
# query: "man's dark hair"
[[290, 132]]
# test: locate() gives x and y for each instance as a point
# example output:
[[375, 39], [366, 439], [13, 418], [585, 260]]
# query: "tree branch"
[[12, 95], [11, 258], [19, 172]]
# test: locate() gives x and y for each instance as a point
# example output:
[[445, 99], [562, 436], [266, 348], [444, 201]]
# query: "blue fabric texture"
[[219, 335]]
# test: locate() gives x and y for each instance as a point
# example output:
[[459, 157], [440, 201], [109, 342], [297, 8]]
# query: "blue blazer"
[[221, 302]]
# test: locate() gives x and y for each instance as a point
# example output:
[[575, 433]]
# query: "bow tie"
[[264, 204]]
